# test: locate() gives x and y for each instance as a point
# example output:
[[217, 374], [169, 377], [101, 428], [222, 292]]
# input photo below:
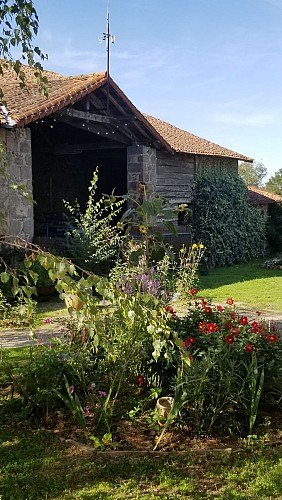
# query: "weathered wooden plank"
[[169, 190], [165, 170], [174, 161], [173, 181]]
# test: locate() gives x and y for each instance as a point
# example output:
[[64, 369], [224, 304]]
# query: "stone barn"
[[53, 144]]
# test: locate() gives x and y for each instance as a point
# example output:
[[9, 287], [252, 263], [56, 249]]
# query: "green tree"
[[19, 26], [252, 173], [274, 184]]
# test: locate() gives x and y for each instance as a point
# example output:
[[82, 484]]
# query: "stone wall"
[[17, 211], [141, 167]]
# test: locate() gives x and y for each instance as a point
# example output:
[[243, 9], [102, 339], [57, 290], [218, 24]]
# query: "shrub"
[[93, 237], [231, 230], [227, 368]]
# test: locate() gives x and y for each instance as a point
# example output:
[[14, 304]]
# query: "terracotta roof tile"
[[28, 104], [262, 196], [184, 142]]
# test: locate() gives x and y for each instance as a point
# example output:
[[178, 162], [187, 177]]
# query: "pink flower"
[[102, 393], [71, 389], [48, 320]]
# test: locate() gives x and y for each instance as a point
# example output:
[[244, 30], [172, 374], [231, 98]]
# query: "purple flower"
[[48, 320], [102, 393], [86, 411], [71, 389]]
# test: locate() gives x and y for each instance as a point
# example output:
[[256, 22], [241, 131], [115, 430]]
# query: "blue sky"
[[212, 67]]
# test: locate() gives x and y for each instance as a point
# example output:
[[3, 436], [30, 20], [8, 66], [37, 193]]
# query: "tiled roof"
[[261, 196], [27, 105], [184, 142]]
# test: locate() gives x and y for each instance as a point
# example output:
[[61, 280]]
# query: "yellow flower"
[[194, 246], [201, 246], [182, 250], [182, 207], [143, 229]]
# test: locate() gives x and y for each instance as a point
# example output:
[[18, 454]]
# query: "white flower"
[[150, 329], [131, 314]]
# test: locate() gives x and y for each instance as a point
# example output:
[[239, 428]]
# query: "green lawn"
[[34, 465], [248, 284]]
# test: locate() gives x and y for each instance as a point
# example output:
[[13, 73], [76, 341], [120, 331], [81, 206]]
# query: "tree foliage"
[[274, 227], [252, 173], [19, 25], [231, 230], [274, 184]]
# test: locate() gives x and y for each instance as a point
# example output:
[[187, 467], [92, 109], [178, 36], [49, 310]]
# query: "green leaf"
[[5, 277]]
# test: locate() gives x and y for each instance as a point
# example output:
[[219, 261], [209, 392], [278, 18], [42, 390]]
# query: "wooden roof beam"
[[93, 128]]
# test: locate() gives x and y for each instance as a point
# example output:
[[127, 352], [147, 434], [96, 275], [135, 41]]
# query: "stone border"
[[154, 453]]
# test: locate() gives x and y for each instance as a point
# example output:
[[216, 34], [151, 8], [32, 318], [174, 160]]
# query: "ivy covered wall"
[[223, 220]]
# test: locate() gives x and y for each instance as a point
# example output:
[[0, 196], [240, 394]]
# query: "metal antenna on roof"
[[109, 38]]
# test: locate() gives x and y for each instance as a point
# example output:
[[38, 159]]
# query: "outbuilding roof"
[[26, 105], [262, 196]]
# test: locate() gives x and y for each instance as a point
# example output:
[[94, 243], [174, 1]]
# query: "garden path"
[[20, 337]]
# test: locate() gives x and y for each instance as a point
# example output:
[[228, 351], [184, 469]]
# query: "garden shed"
[[53, 144]]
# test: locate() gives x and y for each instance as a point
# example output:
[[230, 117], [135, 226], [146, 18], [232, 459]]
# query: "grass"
[[54, 308], [34, 465], [249, 284]]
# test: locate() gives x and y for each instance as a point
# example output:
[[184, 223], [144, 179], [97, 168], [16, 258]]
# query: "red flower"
[[230, 301], [243, 320], [204, 302], [254, 326], [219, 308], [228, 325], [202, 326], [211, 327], [229, 339], [272, 338], [191, 341], [233, 316], [188, 342], [193, 291], [169, 309], [208, 310], [190, 356], [235, 332], [249, 348], [140, 380]]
